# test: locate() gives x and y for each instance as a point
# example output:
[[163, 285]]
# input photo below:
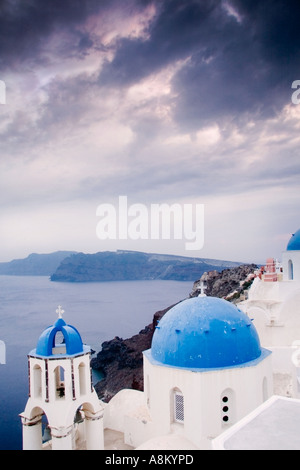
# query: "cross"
[[202, 288], [60, 311]]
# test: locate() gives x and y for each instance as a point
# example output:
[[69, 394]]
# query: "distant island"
[[35, 264], [132, 265], [120, 265]]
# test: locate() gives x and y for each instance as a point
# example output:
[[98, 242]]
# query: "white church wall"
[[243, 388], [122, 403], [229, 394]]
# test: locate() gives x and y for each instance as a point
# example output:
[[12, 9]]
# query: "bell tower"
[[61, 392]]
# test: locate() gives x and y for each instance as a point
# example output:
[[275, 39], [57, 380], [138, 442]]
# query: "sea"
[[99, 310]]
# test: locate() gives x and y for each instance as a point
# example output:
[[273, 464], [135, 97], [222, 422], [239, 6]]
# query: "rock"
[[121, 361], [221, 284]]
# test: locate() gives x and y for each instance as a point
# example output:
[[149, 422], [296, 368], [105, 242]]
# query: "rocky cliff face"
[[121, 361], [226, 282], [35, 264]]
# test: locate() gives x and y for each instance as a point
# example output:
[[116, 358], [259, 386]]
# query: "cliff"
[[121, 361], [35, 264], [132, 265]]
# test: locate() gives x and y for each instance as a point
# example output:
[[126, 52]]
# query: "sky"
[[186, 102]]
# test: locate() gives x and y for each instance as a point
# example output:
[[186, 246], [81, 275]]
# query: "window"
[[228, 407], [290, 270], [178, 407], [225, 409]]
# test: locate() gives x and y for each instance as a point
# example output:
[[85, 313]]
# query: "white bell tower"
[[60, 390]]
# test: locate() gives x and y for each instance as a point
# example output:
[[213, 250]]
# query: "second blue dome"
[[294, 242], [205, 332]]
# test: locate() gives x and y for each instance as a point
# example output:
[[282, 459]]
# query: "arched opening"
[[59, 344], [228, 407], [78, 437], [33, 429], [46, 432], [37, 381], [290, 270], [59, 374], [93, 427]]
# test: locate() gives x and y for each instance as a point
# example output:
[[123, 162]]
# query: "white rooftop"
[[275, 425]]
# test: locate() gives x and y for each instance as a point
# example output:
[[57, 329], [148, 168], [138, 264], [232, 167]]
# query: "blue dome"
[[294, 243], [205, 332], [72, 340]]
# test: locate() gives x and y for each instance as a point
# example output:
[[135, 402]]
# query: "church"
[[211, 365]]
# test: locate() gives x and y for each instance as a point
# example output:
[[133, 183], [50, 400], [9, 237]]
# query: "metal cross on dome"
[[60, 311], [201, 289]]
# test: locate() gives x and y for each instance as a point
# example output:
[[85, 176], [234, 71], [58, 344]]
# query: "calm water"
[[99, 311]]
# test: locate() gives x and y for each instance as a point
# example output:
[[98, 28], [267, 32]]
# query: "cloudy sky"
[[161, 101]]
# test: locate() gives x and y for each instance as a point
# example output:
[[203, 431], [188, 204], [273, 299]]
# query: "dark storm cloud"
[[251, 69], [178, 29], [26, 25], [244, 56], [241, 56]]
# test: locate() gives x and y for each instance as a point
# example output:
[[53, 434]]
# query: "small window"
[[178, 407], [290, 270], [228, 407], [225, 409]]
